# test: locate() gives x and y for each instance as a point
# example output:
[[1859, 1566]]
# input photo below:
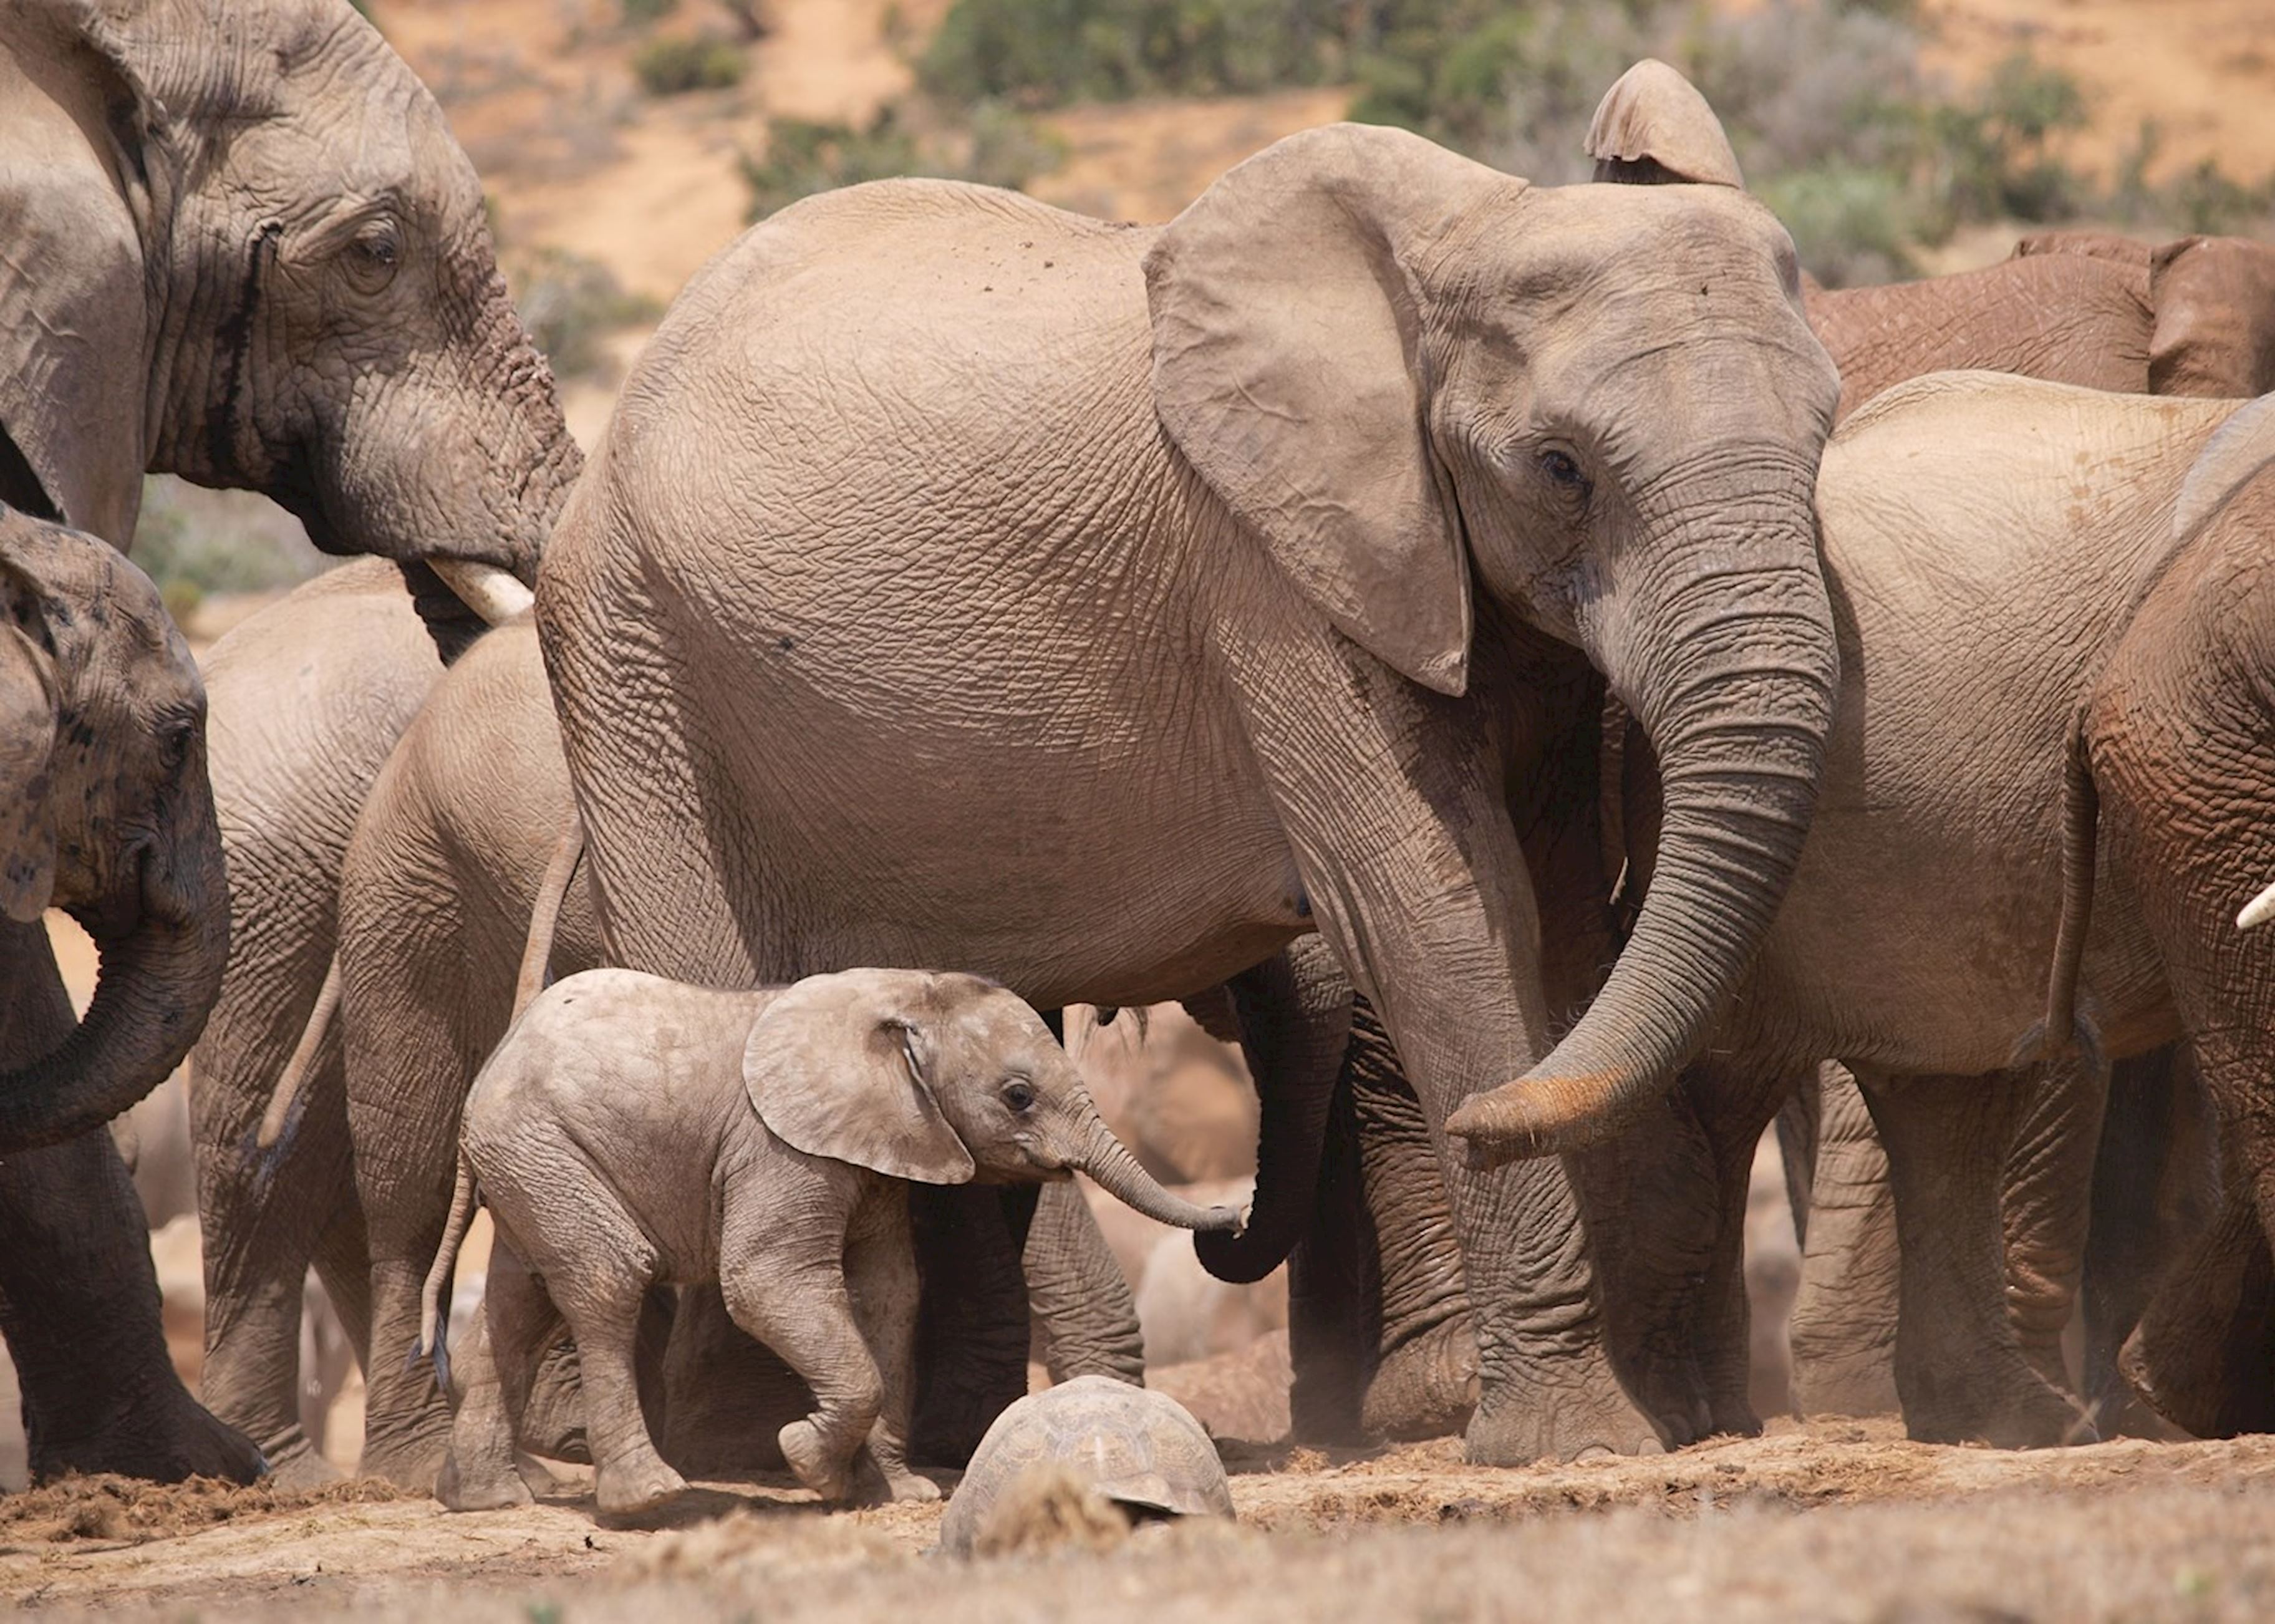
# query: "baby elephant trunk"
[[1108, 1160]]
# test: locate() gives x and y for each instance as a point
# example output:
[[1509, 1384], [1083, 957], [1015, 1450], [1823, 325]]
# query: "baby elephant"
[[630, 1130]]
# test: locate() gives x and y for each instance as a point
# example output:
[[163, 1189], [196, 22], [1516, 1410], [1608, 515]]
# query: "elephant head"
[[942, 1079], [107, 815], [1417, 380], [243, 248]]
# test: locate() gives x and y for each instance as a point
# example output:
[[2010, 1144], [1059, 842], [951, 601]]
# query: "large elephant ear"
[[2214, 325], [1653, 128], [1286, 317], [835, 1067], [28, 719], [76, 124]]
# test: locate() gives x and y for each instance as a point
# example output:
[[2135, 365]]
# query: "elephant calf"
[[586, 1131]]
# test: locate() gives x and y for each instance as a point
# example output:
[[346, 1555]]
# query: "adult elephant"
[[243, 248], [1938, 1004], [2173, 745], [307, 697], [106, 814], [455, 851], [949, 559]]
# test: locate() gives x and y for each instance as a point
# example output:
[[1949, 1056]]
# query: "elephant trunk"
[[1109, 1162], [159, 978], [1736, 689]]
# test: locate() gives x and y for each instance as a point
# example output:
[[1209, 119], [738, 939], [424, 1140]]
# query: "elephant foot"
[[409, 1459], [302, 1468], [2028, 1416], [824, 1470], [2200, 1354], [630, 1488], [889, 1482], [487, 1486], [1519, 1423], [1427, 1386], [162, 1438]]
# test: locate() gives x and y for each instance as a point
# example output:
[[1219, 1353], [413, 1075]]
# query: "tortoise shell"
[[1139, 1448]]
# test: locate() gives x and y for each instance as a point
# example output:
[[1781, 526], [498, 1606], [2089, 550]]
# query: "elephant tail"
[[295, 1074], [545, 914], [433, 1339], [2061, 1030]]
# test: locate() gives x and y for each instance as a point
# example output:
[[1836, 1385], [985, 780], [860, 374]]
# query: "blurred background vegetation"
[[1876, 161]]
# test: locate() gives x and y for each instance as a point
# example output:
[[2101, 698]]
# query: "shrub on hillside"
[[674, 63], [570, 305]]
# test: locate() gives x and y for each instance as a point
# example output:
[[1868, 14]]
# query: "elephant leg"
[[808, 1315], [2201, 1354], [1335, 1287], [972, 1329], [406, 1084], [497, 1369], [1080, 1300], [1424, 1357], [1800, 1124], [880, 1261], [1960, 1369], [78, 1296], [265, 1215], [1654, 1198], [600, 1296], [1736, 1107], [2046, 1205], [724, 1397], [1844, 1316], [2155, 1192]]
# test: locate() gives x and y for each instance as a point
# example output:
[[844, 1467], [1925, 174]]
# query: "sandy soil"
[[2204, 70], [1839, 1520]]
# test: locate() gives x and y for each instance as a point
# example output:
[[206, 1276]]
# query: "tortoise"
[[1141, 1450]]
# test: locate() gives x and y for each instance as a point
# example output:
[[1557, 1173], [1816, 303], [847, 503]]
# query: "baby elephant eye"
[[1019, 1096]]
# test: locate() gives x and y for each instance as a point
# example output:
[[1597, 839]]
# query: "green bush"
[[570, 305], [640, 14], [676, 64], [1043, 52], [193, 542]]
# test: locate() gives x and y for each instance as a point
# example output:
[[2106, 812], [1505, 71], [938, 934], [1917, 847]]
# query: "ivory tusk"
[[491, 593], [2258, 911]]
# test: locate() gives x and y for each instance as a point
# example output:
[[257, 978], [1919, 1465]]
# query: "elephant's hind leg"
[[1960, 1368]]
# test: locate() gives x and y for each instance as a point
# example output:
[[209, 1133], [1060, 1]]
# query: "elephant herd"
[[1561, 690]]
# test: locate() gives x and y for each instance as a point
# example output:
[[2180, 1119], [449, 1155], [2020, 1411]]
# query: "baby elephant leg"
[[793, 1298], [880, 1272], [600, 1297]]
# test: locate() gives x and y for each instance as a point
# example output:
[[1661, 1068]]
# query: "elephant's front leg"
[[880, 1275], [794, 1299], [1393, 802]]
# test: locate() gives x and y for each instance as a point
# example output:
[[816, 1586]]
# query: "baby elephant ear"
[[835, 1067], [1653, 128]]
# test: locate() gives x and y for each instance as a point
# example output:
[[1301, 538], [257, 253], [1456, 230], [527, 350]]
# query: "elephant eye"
[[174, 741], [1019, 1095], [371, 255], [1564, 469]]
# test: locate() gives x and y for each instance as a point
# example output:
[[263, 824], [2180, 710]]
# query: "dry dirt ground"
[[1837, 1521]]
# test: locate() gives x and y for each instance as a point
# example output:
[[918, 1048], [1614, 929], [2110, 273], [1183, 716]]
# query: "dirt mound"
[[123, 1511]]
